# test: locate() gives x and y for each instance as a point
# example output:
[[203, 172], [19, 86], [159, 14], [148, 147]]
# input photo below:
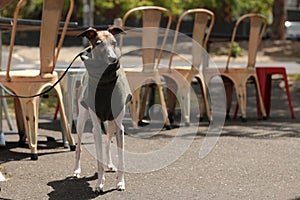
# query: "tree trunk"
[[279, 18]]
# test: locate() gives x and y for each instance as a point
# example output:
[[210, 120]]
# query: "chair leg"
[[205, 100], [265, 90], [266, 96], [184, 95], [261, 102], [288, 95], [171, 91], [163, 105], [228, 90], [66, 127], [171, 104], [241, 97], [56, 111], [144, 102], [30, 118], [20, 122], [134, 106], [236, 111]]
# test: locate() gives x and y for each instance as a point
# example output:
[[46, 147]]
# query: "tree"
[[106, 11], [279, 18], [4, 3]]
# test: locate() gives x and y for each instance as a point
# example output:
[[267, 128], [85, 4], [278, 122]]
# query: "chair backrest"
[[51, 15], [257, 28], [151, 22], [203, 23]]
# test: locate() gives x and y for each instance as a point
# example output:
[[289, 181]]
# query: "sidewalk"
[[270, 52]]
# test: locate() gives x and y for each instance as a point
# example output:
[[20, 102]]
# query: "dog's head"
[[104, 43]]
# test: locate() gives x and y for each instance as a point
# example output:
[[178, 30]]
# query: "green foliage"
[[117, 8], [231, 9], [31, 9], [236, 50], [108, 10], [253, 6]]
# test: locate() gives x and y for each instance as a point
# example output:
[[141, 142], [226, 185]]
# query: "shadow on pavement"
[[13, 152], [74, 188]]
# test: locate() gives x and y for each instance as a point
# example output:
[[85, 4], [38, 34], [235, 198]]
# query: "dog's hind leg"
[[120, 145], [99, 151], [121, 164], [82, 117], [110, 132]]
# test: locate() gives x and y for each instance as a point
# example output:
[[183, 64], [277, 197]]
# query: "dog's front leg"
[[121, 164], [110, 132], [99, 152], [120, 146], [82, 117]]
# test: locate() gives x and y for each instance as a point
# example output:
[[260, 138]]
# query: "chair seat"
[[237, 70], [185, 69], [133, 69], [239, 73], [182, 67]]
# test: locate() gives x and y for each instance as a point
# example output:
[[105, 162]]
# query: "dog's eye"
[[99, 42]]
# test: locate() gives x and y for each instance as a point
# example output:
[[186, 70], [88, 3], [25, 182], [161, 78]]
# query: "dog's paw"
[[76, 173], [121, 186], [99, 190], [111, 168], [99, 186]]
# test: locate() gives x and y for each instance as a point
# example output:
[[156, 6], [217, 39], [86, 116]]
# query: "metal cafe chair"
[[238, 77], [29, 82], [149, 32], [202, 26]]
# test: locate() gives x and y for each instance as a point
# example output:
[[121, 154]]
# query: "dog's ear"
[[114, 30], [90, 33]]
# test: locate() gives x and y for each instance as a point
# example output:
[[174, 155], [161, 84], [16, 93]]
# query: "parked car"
[[292, 30]]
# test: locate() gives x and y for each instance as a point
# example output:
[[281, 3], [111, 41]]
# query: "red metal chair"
[[264, 75]]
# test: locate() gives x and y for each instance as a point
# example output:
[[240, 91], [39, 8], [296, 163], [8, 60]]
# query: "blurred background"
[[283, 15]]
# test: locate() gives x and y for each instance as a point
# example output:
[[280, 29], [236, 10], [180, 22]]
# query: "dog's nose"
[[112, 59]]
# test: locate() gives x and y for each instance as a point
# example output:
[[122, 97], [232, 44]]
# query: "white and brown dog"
[[105, 92]]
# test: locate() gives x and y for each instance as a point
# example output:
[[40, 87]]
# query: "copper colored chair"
[[203, 24], [29, 82], [238, 77], [149, 33]]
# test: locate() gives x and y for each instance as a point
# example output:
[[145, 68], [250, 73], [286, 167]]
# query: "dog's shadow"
[[74, 188]]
